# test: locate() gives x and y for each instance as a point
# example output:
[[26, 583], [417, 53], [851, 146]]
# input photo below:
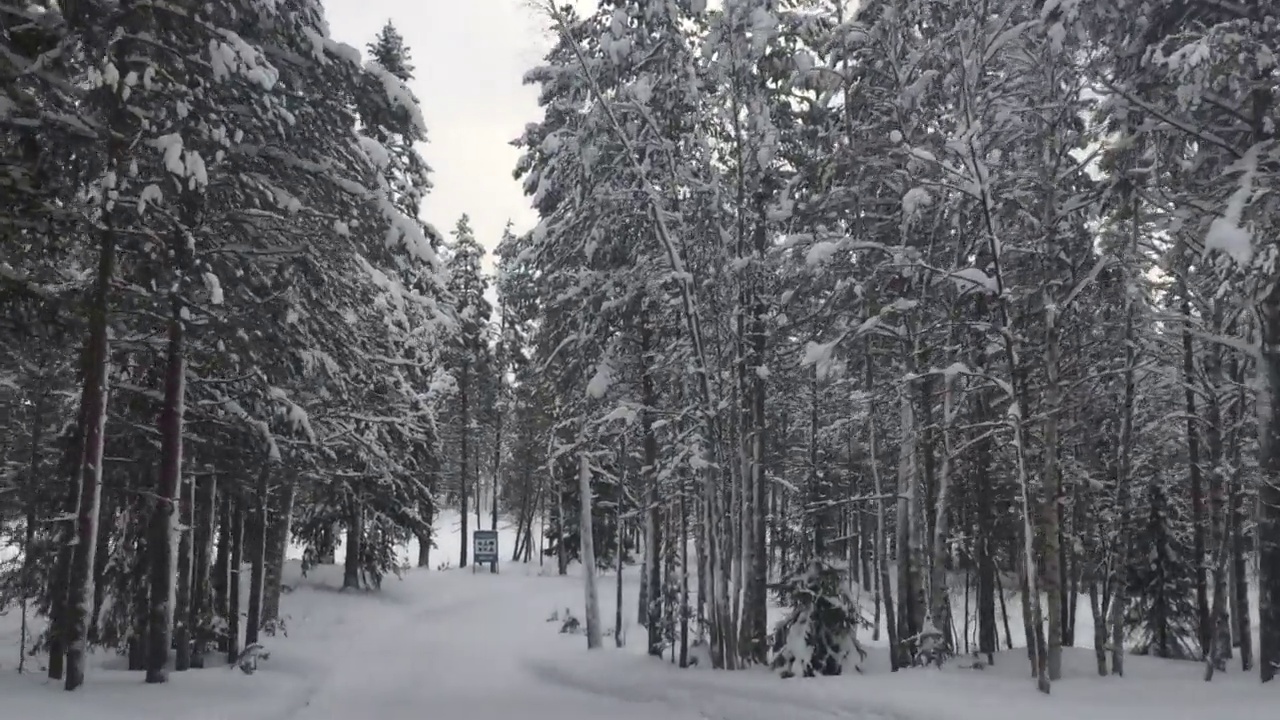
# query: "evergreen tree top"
[[389, 51]]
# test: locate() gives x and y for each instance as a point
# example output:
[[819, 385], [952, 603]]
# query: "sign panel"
[[485, 546]]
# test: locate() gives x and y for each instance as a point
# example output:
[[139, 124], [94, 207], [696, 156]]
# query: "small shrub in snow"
[[932, 649], [277, 625], [820, 634], [700, 654], [571, 625], [248, 660]]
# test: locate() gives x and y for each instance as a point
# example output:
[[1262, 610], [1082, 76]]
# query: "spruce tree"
[[389, 51], [469, 362]]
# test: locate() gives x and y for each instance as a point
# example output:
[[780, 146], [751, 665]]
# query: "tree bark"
[[281, 522], [464, 451], [235, 564], [939, 609], [882, 541], [206, 513], [1268, 498], [355, 546], [1050, 522], [258, 557], [60, 583], [1197, 481], [653, 551], [907, 627], [94, 404], [182, 608], [168, 495], [586, 549]]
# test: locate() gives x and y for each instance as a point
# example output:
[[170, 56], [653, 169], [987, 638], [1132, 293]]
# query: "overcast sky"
[[469, 57]]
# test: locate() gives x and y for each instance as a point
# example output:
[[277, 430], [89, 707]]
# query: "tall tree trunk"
[[684, 572], [281, 522], [1238, 517], [182, 608], [1124, 461], [222, 564], [168, 495], [94, 404], [1268, 499], [1052, 487], [562, 531], [206, 514], [60, 583], [497, 473], [140, 604], [355, 545], [463, 486], [1219, 508], [757, 649], [102, 556], [586, 546], [985, 500], [258, 556], [30, 488], [1197, 481], [882, 541], [653, 551], [620, 537], [939, 614], [235, 566], [907, 627]]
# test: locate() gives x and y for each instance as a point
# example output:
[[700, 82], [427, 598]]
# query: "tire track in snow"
[[681, 690]]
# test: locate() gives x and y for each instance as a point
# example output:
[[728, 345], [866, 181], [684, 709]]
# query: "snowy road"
[[478, 647], [457, 646]]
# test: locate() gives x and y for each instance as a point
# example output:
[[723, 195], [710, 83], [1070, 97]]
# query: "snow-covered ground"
[[466, 646]]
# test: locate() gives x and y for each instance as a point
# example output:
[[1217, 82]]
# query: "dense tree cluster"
[[221, 319], [931, 304], [971, 293]]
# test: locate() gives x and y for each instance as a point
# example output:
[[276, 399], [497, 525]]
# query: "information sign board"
[[485, 546]]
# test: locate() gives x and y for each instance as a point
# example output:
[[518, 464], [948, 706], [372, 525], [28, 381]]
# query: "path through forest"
[[478, 647]]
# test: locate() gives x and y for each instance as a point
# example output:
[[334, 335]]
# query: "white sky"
[[469, 57]]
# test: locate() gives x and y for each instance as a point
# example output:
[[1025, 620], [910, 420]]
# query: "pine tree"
[[469, 362], [389, 51]]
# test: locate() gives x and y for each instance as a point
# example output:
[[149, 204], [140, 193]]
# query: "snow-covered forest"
[[844, 325]]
